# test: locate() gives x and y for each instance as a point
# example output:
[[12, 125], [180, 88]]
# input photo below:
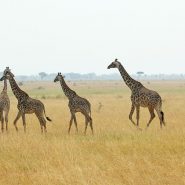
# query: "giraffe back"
[[30, 106], [145, 97], [79, 104]]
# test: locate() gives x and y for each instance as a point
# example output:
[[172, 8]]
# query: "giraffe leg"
[[152, 115], [45, 129], [1, 118], [137, 114], [1, 114], [2, 121], [70, 123], [88, 119], [16, 119], [42, 122], [91, 125], [2, 126], [86, 124], [24, 122], [75, 121], [131, 113], [160, 116], [6, 120]]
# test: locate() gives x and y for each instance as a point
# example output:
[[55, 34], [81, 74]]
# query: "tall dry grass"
[[117, 154]]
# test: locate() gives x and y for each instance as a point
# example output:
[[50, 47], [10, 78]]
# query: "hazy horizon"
[[86, 36]]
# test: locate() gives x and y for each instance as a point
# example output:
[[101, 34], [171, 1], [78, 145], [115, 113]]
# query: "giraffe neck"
[[19, 94], [130, 82], [5, 86], [67, 91]]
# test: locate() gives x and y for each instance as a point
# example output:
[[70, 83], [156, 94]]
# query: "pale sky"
[[86, 36]]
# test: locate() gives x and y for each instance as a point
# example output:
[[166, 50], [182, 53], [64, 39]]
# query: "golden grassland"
[[117, 154]]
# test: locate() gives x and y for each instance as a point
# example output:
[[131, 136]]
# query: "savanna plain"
[[117, 154]]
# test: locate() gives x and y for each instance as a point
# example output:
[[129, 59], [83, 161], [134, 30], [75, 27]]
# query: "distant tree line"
[[43, 76]]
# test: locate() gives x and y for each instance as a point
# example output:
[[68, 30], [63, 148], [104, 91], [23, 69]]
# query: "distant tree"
[[42, 75], [73, 76], [90, 76], [139, 73], [22, 78]]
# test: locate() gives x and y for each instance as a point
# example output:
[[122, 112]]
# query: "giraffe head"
[[114, 64], [59, 77], [7, 74]]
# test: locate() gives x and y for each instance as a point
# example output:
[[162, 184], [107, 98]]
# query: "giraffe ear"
[[116, 60]]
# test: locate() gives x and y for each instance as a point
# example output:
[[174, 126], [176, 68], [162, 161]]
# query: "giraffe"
[[76, 104], [4, 106], [140, 97], [26, 105]]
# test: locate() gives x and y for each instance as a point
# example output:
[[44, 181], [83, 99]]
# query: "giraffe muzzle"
[[108, 67]]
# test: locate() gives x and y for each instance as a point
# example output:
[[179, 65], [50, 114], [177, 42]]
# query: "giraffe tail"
[[48, 119]]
